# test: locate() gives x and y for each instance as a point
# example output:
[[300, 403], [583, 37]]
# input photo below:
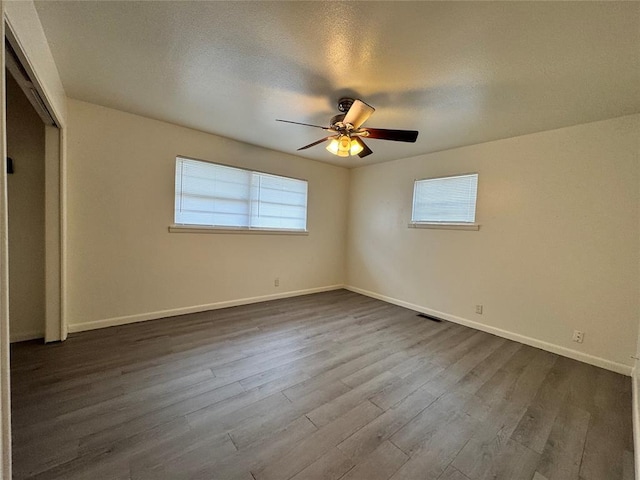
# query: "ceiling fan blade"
[[358, 113], [395, 135], [305, 124], [315, 143], [365, 150]]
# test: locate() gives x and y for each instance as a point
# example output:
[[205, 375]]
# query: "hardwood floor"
[[327, 386]]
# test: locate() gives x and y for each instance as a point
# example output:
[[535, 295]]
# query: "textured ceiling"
[[460, 73]]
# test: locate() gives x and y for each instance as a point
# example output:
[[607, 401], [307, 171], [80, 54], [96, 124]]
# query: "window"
[[445, 201], [212, 195]]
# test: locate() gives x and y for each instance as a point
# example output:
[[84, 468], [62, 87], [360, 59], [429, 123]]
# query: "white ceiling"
[[460, 73]]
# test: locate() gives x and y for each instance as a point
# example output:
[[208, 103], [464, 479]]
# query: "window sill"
[[251, 231], [446, 226]]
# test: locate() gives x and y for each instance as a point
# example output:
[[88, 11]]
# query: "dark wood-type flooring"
[[327, 386]]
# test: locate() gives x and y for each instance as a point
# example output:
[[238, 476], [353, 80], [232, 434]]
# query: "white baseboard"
[[24, 336], [534, 342], [143, 317], [550, 347], [635, 405]]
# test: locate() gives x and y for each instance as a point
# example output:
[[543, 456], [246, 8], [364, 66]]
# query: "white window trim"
[[445, 225], [178, 228]]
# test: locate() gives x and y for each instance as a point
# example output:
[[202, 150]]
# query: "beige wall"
[[25, 145], [557, 249], [123, 262]]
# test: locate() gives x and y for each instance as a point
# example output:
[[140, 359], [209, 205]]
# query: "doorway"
[[33, 205], [26, 205]]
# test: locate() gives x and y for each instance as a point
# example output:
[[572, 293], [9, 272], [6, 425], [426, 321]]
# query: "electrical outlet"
[[479, 309], [276, 282], [578, 336]]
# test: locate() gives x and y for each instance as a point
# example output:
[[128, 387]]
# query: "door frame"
[[5, 394]]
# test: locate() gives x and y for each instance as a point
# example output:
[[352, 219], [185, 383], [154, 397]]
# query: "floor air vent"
[[429, 317]]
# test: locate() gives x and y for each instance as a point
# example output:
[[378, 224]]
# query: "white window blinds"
[[445, 200], [216, 195]]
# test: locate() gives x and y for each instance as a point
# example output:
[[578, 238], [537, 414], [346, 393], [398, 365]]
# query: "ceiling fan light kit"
[[355, 148], [344, 146], [347, 133]]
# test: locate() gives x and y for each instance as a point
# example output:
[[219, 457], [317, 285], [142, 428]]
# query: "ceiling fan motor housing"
[[344, 104], [336, 121]]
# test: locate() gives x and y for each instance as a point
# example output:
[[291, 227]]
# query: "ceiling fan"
[[347, 131]]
